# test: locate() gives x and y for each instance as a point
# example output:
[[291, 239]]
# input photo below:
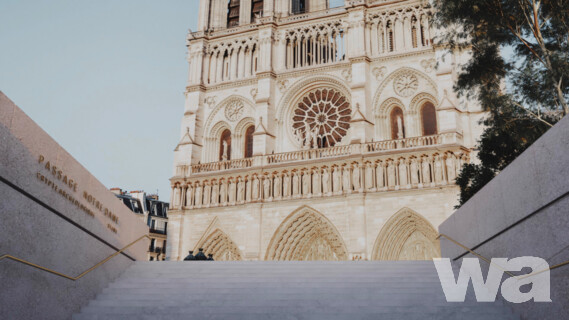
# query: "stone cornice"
[[295, 73]]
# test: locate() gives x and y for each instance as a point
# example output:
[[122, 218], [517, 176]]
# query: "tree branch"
[[531, 113]]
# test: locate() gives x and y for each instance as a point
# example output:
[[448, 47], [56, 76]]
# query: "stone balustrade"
[[365, 171], [323, 153]]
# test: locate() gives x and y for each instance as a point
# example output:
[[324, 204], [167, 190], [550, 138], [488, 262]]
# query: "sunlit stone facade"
[[316, 133]]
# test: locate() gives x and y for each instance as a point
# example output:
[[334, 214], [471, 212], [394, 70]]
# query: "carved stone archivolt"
[[406, 236], [306, 235], [221, 246], [405, 82], [321, 118]]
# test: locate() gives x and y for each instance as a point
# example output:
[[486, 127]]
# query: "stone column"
[[233, 64], [264, 138], [245, 12], [203, 15], [173, 237], [268, 8]]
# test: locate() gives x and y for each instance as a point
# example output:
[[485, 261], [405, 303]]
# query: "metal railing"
[[7, 256], [323, 153], [158, 231]]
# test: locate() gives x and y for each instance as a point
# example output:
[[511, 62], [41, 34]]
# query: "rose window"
[[321, 119], [406, 85]]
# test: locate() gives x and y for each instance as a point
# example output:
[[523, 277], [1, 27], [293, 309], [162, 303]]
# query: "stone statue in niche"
[[316, 189], [189, 195], [337, 185], [277, 188], [438, 169], [266, 187], [414, 167], [224, 154], [451, 170], [286, 185], [356, 177], [426, 168], [314, 138], [346, 183], [403, 173], [177, 197], [240, 190], [379, 175], [247, 183], [400, 134], [206, 193], [305, 183], [369, 176], [222, 192], [255, 195], [215, 193], [198, 200], [232, 192], [295, 184], [325, 181], [390, 174]]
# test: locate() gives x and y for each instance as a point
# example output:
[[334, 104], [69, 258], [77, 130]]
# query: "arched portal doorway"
[[406, 236], [306, 235], [221, 246]]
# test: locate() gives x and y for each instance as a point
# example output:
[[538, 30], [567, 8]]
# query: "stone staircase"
[[387, 290]]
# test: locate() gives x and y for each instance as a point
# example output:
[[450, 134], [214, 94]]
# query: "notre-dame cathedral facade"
[[318, 133]]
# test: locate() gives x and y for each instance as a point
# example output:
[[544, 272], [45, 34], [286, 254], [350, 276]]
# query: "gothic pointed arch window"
[[298, 6], [233, 13], [249, 141], [429, 119], [256, 9], [414, 34], [397, 123], [225, 145], [390, 37]]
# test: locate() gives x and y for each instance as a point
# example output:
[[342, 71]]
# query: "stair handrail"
[[533, 273], [7, 256]]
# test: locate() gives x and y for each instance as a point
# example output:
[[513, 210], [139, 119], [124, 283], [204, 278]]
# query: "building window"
[[298, 6], [429, 119], [414, 34], [249, 141], [391, 39], [397, 124], [256, 9], [233, 13], [225, 145], [321, 118]]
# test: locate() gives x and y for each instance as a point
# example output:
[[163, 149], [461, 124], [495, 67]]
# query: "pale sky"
[[104, 78]]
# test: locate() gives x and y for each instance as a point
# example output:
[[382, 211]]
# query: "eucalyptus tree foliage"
[[518, 72]]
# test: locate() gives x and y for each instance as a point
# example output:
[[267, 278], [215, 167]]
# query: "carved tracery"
[[321, 118]]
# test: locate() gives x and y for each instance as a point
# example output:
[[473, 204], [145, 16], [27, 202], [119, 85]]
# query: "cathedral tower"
[[313, 133]]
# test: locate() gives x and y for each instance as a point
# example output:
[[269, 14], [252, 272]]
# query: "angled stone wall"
[[523, 212], [57, 215]]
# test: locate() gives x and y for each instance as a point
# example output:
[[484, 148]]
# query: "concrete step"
[[402, 290], [297, 316], [126, 293], [285, 309]]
